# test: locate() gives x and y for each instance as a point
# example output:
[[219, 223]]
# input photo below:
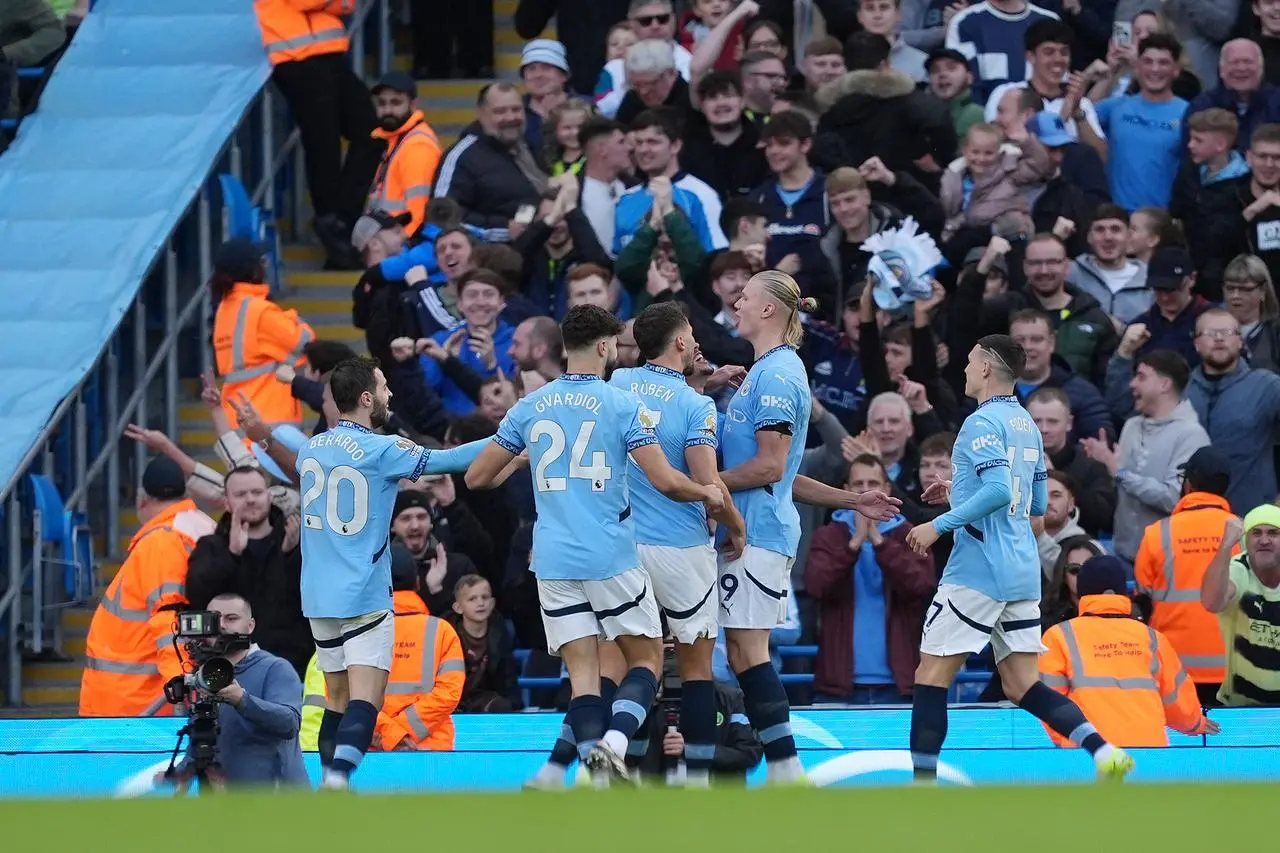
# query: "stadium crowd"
[[1103, 179]]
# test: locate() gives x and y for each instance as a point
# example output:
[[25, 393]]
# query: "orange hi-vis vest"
[[252, 337], [425, 685], [403, 181], [129, 651], [293, 30], [1125, 677], [1174, 554]]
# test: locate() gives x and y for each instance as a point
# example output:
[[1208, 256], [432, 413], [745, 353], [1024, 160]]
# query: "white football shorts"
[[962, 620], [620, 606], [367, 640], [753, 589], [684, 584]]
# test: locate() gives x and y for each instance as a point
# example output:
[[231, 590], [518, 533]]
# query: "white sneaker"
[[603, 761], [332, 780]]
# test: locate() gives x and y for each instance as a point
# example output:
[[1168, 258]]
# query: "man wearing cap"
[[1078, 185], [1244, 591], [253, 553], [1106, 272], [378, 235], [129, 653], [1171, 322], [1172, 561], [402, 184], [951, 80], [1125, 676], [544, 68], [252, 336]]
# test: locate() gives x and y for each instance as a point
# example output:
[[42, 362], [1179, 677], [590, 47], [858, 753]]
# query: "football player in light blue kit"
[[349, 477], [990, 588], [764, 436], [671, 538], [579, 431]]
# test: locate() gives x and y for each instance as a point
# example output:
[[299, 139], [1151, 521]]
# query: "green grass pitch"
[[789, 820]]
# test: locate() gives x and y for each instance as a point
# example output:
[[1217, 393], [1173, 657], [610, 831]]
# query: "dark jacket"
[[1258, 237], [270, 580], [481, 175], [909, 582], [738, 747], [1177, 334], [731, 170], [839, 16], [1240, 411], [1088, 408], [494, 673], [835, 374], [462, 532], [1092, 26], [1210, 214], [677, 100], [881, 114], [1263, 108], [1095, 487], [1086, 337], [1074, 193], [798, 229], [543, 275]]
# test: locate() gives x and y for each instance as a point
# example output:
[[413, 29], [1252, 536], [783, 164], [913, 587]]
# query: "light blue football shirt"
[[775, 393], [996, 553], [349, 479], [683, 418], [579, 430]]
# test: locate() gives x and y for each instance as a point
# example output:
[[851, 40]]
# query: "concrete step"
[[44, 696], [43, 674], [42, 712]]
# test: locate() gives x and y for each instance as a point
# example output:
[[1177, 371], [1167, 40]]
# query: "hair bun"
[[808, 304]]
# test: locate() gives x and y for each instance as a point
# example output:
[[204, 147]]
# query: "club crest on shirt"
[[649, 419], [709, 425]]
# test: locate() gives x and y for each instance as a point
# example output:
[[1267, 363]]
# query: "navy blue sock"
[[355, 733], [928, 729], [586, 718], [698, 724], [327, 740], [608, 689], [1062, 715], [768, 710], [565, 750], [633, 700], [638, 746]]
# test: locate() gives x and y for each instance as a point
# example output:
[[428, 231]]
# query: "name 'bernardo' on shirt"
[[340, 441], [589, 402]]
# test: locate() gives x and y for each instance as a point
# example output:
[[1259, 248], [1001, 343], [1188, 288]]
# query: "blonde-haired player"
[[763, 441]]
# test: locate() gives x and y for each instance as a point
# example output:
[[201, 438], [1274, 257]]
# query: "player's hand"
[[713, 498], [937, 493], [1134, 338], [480, 341], [876, 505], [673, 744], [292, 533], [403, 349], [231, 694], [921, 538], [250, 421], [729, 376], [1232, 530], [521, 461], [238, 538], [152, 439], [210, 394], [285, 373]]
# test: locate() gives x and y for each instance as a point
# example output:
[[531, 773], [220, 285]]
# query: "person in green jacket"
[[950, 79]]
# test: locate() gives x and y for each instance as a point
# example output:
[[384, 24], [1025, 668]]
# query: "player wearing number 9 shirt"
[[349, 478], [990, 589], [579, 431]]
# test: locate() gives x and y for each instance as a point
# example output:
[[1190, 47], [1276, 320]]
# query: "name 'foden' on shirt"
[[586, 401], [339, 440]]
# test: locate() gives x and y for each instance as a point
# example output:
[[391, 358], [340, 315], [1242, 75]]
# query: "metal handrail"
[[162, 358]]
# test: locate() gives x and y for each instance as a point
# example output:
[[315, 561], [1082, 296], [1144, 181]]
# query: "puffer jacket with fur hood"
[[875, 113], [1000, 190]]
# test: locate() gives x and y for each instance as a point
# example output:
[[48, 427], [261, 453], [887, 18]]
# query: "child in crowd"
[[621, 36], [699, 19], [490, 686], [989, 181], [563, 149]]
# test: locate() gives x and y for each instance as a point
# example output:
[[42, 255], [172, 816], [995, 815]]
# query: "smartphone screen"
[[525, 214], [1122, 32]]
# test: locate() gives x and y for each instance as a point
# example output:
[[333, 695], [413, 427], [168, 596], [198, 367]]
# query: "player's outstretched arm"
[[492, 461], [671, 482], [702, 468], [454, 460], [763, 469]]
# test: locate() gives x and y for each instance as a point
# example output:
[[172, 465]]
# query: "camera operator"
[[254, 554], [258, 712], [658, 749]]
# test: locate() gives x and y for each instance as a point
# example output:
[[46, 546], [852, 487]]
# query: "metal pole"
[[268, 152], [299, 194], [171, 360], [113, 454], [14, 693], [204, 270], [236, 160], [139, 374], [357, 48], [384, 37], [81, 437]]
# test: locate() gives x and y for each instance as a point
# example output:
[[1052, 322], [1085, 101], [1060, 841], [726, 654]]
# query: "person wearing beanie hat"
[[129, 651], [402, 184], [438, 566], [1125, 676], [544, 68], [1244, 591]]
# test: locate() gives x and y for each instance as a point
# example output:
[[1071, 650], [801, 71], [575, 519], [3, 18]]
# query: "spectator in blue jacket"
[[1033, 330], [1170, 323], [795, 201], [482, 341], [1242, 92]]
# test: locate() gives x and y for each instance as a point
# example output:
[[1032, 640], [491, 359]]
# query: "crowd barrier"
[[866, 746]]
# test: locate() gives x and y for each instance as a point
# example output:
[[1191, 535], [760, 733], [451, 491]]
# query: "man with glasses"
[[650, 20], [1239, 406], [764, 76], [1086, 337]]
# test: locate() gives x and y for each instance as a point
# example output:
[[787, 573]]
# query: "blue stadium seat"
[[68, 532], [245, 220]]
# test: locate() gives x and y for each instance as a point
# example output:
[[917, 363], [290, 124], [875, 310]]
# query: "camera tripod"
[[204, 767]]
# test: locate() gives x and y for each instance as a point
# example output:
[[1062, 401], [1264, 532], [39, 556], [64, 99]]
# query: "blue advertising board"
[[40, 758]]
